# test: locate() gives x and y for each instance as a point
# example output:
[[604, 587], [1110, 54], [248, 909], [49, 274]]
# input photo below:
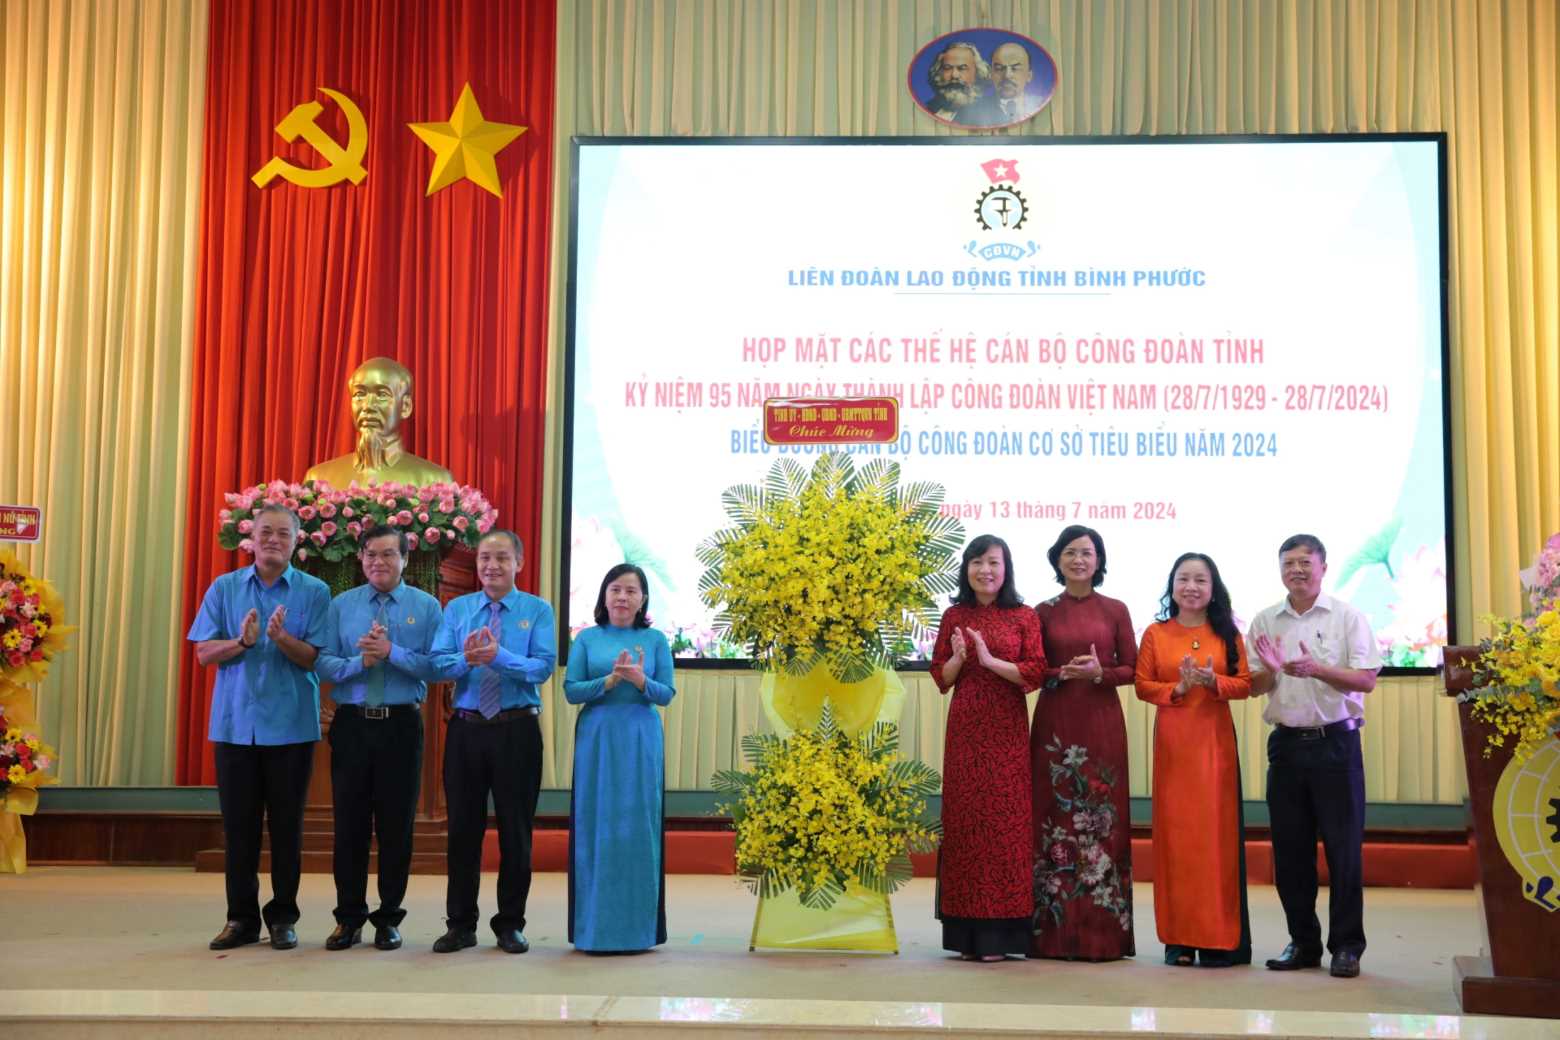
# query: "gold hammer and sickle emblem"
[[345, 162]]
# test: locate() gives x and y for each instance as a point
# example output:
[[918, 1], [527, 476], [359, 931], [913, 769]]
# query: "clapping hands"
[[1084, 666], [627, 669], [275, 628], [375, 645], [1268, 653], [1272, 657], [965, 640], [249, 632], [1192, 675], [1305, 666], [982, 652], [481, 647]]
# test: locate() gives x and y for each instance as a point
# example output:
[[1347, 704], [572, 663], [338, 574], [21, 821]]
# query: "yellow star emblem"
[[465, 146]]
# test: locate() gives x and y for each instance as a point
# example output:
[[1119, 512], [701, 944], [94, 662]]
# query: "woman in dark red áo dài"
[[989, 654], [1078, 756]]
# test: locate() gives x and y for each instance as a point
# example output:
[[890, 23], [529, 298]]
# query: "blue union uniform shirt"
[[527, 648], [260, 696], [411, 619]]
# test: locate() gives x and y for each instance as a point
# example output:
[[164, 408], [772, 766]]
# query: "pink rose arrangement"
[[332, 520]]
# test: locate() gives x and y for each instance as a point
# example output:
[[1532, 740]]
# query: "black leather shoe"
[[1345, 966], [234, 935], [283, 937], [1294, 958], [344, 938], [511, 940], [386, 937], [455, 939]]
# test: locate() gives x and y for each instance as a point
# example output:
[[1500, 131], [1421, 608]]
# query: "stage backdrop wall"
[[101, 173], [1486, 74], [298, 286]]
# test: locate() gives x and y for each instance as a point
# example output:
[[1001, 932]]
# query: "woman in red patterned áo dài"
[[1078, 749], [989, 653]]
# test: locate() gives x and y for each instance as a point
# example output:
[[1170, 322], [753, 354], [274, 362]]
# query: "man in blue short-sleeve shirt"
[[261, 626], [498, 645]]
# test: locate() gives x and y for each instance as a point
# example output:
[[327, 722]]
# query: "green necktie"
[[376, 674]]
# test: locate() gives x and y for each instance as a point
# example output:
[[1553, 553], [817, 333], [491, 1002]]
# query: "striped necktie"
[[491, 687]]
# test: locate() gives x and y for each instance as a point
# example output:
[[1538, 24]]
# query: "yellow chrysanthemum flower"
[[1518, 693]]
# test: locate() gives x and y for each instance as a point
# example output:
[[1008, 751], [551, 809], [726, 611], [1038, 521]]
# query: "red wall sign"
[[831, 420], [20, 523]]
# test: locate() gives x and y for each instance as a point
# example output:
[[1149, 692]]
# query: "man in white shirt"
[[1316, 658]]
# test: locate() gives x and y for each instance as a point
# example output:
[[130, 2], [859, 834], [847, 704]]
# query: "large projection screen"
[[1190, 344]]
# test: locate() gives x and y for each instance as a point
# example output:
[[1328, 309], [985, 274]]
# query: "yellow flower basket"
[[28, 604], [860, 919], [828, 577], [837, 567], [795, 703], [1517, 683], [21, 797]]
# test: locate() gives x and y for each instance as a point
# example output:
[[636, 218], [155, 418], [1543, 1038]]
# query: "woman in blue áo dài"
[[619, 672]]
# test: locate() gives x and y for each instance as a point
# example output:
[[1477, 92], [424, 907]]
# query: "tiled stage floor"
[[93, 947]]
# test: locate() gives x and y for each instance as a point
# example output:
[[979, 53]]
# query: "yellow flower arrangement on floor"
[[1517, 677], [837, 567], [821, 809], [24, 757], [32, 632]]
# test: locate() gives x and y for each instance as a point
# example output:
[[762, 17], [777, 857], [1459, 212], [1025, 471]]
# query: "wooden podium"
[[1519, 970]]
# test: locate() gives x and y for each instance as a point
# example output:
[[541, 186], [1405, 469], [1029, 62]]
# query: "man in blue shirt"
[[498, 645], [262, 627], [376, 652]]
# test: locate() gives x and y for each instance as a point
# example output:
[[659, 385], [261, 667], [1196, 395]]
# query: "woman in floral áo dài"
[[1078, 756]]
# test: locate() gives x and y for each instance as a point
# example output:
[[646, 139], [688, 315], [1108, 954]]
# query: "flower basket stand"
[[860, 920], [17, 801]]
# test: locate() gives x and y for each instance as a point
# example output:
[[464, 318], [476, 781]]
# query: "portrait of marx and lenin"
[[989, 78]]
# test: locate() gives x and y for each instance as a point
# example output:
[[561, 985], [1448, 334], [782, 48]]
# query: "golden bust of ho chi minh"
[[381, 397]]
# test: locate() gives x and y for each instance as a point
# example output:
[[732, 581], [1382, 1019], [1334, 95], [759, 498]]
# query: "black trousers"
[[502, 758], [375, 777], [1317, 787], [266, 782]]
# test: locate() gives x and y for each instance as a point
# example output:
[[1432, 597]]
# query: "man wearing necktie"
[[261, 627], [498, 645], [377, 652]]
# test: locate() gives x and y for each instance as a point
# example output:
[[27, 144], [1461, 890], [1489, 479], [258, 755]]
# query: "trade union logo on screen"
[[1001, 213]]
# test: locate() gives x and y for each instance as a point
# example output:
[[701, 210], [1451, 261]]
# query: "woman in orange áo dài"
[[1190, 665]]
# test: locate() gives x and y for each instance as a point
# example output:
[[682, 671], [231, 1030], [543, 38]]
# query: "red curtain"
[[297, 286]]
